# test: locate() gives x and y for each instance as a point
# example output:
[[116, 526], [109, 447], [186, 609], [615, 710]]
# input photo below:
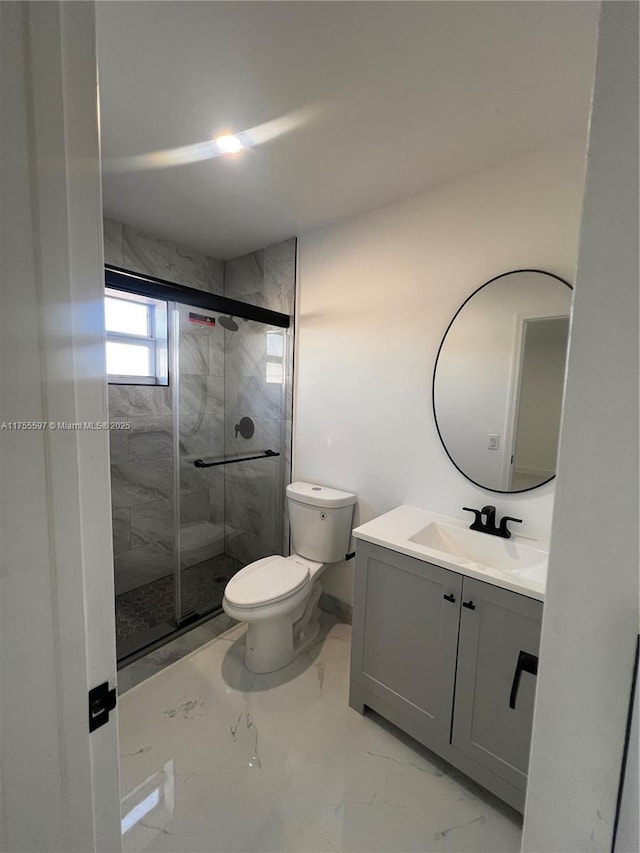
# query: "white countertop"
[[518, 564]]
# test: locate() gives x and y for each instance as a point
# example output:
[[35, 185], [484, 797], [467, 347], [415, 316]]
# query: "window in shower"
[[136, 332]]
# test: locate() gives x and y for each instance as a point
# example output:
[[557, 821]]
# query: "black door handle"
[[526, 663], [469, 605], [449, 597]]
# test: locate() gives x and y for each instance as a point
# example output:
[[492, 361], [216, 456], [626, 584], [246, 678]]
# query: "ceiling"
[[390, 99]]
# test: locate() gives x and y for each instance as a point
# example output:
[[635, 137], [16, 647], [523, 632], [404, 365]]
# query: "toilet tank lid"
[[310, 493]]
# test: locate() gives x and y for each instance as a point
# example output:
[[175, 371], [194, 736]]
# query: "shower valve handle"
[[246, 428]]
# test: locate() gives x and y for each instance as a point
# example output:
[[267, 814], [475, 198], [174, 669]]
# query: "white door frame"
[[591, 612], [513, 394], [58, 784]]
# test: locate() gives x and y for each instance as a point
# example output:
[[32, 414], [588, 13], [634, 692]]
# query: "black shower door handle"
[[526, 663]]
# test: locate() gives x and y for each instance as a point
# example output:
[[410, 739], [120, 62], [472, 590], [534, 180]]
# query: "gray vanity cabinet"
[[496, 679], [405, 636], [450, 660]]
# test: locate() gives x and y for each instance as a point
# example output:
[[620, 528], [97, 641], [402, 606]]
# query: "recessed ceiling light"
[[228, 143]]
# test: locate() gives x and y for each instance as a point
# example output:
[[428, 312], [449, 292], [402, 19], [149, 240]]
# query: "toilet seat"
[[266, 581]]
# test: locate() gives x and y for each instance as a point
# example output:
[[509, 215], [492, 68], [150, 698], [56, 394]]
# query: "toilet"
[[278, 596]]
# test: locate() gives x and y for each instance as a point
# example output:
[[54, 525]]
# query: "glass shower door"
[[229, 394], [198, 475]]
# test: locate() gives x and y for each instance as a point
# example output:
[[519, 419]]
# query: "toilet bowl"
[[278, 596], [277, 599]]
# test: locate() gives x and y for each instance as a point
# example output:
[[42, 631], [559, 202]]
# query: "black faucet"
[[489, 526]]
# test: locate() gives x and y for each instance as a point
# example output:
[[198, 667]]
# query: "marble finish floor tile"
[[214, 758], [176, 649]]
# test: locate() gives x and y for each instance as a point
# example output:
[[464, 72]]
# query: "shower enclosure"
[[201, 393]]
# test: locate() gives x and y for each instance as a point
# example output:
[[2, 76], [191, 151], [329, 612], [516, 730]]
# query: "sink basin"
[[504, 555], [518, 564]]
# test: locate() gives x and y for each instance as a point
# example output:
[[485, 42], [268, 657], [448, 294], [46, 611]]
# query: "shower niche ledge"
[[446, 634]]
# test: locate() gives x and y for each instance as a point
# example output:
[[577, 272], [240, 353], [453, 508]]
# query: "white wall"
[[591, 611], [376, 293]]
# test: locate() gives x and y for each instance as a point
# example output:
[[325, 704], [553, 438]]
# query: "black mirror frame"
[[435, 368]]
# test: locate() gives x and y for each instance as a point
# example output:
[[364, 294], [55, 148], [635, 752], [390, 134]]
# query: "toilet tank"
[[320, 519]]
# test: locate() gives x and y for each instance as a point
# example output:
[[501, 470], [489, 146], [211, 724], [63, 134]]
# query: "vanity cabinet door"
[[405, 636], [496, 681]]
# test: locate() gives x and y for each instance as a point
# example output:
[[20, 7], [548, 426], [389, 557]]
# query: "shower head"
[[228, 323]]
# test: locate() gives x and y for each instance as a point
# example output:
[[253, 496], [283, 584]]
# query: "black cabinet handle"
[[449, 597], [469, 605], [526, 663]]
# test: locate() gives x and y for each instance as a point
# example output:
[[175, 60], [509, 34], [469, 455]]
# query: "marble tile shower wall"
[[254, 491], [130, 249], [201, 426], [141, 458], [236, 509]]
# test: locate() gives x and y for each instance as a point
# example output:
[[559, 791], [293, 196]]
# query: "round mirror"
[[499, 377]]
